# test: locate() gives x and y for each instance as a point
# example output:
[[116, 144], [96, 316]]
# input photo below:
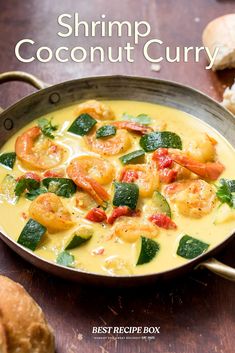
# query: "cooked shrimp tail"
[[88, 173], [208, 170], [99, 190], [25, 142]]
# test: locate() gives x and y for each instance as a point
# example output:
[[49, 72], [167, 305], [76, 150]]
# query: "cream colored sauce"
[[188, 128]]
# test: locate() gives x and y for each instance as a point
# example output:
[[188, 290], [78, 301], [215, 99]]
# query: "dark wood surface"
[[196, 313]]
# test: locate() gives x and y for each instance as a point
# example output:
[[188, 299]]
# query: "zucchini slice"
[[8, 159], [65, 259], [126, 194], [106, 131], [82, 125], [79, 237], [148, 250], [60, 186], [190, 247], [133, 157], [31, 234], [224, 214], [7, 189], [161, 203], [160, 139]]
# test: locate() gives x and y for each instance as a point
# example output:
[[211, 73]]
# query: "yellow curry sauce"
[[119, 255]]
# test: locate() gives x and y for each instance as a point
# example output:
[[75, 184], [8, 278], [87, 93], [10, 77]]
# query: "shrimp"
[[193, 198], [36, 152], [202, 149], [110, 146], [207, 170], [130, 230], [96, 109], [90, 173], [133, 127], [48, 210], [84, 200], [144, 175]]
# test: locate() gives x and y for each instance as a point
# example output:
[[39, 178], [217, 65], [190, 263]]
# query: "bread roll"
[[229, 99], [221, 33], [23, 328]]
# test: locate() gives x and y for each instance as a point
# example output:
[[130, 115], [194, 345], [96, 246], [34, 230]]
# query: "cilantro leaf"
[[226, 192], [26, 183], [65, 259], [47, 128], [60, 186]]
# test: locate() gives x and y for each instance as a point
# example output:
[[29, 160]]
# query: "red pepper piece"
[[96, 215], [162, 221], [167, 175]]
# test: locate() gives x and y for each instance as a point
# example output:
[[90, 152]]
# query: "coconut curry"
[[117, 187]]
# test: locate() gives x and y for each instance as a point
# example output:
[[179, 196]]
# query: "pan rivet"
[[8, 124], [54, 98]]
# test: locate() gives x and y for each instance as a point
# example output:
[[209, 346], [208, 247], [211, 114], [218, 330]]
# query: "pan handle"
[[218, 268], [23, 77]]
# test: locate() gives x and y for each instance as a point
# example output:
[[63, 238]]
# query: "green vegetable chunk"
[[226, 192], [47, 128], [133, 157], [76, 241], [140, 119], [161, 203], [8, 159], [148, 250], [26, 183], [7, 189], [31, 234], [126, 194], [60, 186], [190, 247], [65, 259], [80, 236], [82, 125], [160, 139], [106, 131]]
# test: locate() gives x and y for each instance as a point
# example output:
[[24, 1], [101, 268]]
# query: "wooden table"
[[195, 313]]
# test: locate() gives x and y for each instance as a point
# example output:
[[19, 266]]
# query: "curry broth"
[[188, 128]]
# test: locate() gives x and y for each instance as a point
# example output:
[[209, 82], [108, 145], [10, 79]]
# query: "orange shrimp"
[[193, 198], [208, 170], [132, 126], [130, 229], [96, 109], [37, 153], [90, 173], [48, 210], [109, 146], [144, 175]]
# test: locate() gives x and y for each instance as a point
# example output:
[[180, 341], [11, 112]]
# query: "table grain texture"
[[196, 313]]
